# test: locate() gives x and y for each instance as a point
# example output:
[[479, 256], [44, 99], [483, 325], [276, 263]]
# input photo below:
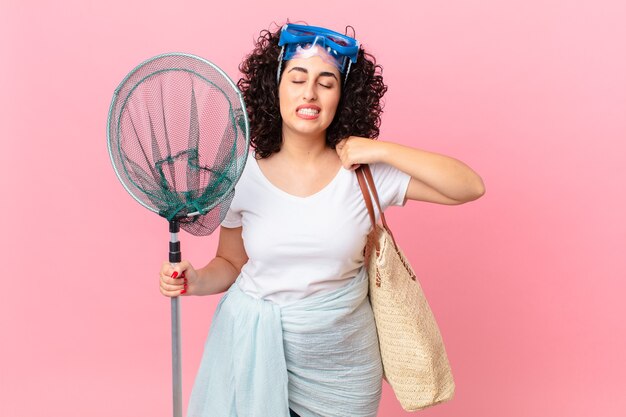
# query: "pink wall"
[[526, 283]]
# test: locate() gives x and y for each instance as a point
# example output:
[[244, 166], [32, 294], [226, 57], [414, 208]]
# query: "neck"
[[302, 148]]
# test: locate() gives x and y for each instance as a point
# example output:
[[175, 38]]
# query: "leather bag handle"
[[366, 195], [366, 180]]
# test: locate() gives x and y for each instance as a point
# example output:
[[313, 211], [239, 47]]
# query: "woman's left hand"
[[354, 151]]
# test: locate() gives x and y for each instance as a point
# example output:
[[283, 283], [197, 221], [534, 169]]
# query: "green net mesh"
[[178, 138]]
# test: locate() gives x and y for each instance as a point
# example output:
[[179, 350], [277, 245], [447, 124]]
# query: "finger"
[[346, 158], [183, 265], [171, 288], [342, 157], [167, 279], [181, 268], [178, 270], [167, 269], [172, 293], [168, 293], [346, 163]]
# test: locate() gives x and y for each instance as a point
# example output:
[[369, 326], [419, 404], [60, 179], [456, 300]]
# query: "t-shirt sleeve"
[[391, 184], [234, 215], [232, 219]]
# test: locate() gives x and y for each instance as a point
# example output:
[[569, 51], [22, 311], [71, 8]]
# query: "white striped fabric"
[[318, 355]]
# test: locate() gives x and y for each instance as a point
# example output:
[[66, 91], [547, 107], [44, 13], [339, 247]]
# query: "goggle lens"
[[294, 39], [301, 34]]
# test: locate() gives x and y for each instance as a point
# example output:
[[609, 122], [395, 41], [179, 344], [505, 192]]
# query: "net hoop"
[[116, 98]]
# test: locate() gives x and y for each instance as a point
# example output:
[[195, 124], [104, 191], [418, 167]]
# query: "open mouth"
[[308, 111]]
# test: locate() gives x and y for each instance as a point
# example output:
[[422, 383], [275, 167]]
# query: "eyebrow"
[[322, 74]]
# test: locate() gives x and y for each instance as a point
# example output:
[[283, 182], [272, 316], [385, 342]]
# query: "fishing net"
[[178, 138]]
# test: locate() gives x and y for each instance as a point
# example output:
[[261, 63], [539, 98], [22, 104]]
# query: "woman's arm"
[[435, 178], [217, 276]]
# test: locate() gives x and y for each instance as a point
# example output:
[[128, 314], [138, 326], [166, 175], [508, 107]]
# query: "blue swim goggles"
[[302, 41]]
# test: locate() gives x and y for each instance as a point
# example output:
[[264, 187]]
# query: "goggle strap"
[[280, 64], [345, 80]]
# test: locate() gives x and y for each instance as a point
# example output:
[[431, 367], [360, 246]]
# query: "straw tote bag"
[[413, 354]]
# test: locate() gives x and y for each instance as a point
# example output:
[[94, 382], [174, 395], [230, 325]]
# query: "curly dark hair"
[[358, 112]]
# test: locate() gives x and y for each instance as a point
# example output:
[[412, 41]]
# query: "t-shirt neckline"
[[292, 196]]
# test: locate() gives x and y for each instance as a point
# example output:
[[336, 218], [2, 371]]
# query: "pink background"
[[526, 283]]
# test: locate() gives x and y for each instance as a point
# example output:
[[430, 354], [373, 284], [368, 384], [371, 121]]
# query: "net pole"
[[174, 258]]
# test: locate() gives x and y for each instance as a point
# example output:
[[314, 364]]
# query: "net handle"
[[177, 391]]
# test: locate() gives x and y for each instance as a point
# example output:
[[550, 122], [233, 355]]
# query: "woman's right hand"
[[175, 280]]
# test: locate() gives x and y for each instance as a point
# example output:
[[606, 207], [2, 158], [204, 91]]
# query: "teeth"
[[308, 112]]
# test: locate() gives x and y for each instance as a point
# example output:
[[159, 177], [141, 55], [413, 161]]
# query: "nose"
[[309, 93]]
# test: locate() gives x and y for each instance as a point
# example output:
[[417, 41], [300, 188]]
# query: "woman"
[[295, 335]]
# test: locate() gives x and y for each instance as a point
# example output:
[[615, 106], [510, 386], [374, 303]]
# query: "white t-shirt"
[[299, 246]]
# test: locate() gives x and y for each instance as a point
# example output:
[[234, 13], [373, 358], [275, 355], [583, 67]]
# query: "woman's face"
[[309, 92]]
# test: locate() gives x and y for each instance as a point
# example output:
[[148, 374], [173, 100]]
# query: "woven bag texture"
[[413, 353]]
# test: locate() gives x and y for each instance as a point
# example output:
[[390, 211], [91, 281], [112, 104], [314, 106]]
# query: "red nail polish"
[[174, 274], [182, 292]]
